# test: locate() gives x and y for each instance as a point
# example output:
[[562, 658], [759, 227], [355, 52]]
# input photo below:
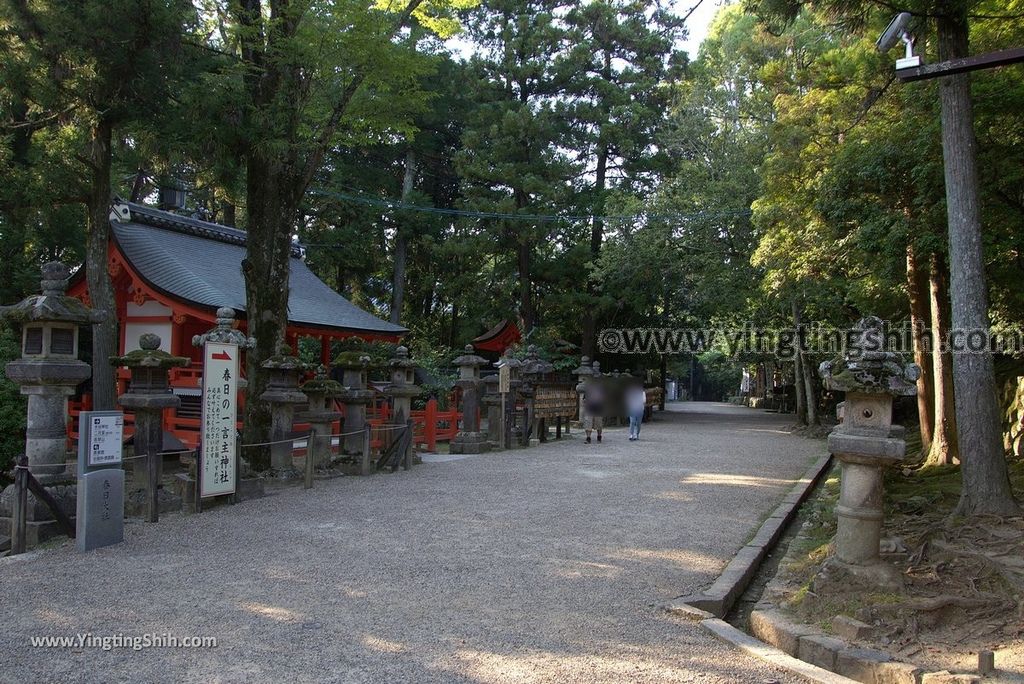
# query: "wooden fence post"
[[364, 466], [409, 445], [19, 516], [199, 478], [152, 487], [308, 480], [430, 429]]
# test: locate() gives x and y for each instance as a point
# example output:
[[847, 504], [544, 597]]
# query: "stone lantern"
[[864, 443], [492, 401], [49, 370], [224, 332], [282, 393], [401, 390], [356, 395], [582, 373], [321, 391], [469, 439], [148, 396], [532, 370]]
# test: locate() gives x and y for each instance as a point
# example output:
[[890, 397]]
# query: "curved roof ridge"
[[158, 218]]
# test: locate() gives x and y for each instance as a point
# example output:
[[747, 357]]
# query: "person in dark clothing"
[[593, 407]]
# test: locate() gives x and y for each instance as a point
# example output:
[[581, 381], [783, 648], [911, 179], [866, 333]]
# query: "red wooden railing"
[[430, 424]]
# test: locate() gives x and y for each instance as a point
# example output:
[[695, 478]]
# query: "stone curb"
[[720, 596], [743, 641], [865, 665]]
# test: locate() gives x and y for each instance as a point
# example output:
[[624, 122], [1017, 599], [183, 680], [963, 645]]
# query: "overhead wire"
[[537, 218]]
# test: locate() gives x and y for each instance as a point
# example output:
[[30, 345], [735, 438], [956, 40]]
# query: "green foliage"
[[720, 376], [13, 406]]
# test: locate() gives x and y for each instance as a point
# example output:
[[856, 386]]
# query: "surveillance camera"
[[893, 32]]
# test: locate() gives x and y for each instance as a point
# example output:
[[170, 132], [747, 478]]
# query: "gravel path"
[[539, 565]]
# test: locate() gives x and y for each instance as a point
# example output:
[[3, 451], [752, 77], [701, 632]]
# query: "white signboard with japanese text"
[[104, 437], [504, 379], [218, 458]]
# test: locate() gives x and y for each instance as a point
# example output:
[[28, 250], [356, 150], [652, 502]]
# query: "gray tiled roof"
[[201, 262]]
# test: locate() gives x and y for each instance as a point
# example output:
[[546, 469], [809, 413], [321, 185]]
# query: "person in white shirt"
[[636, 403]]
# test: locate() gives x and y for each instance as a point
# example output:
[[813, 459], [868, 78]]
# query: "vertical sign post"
[[100, 504], [504, 385], [218, 461]]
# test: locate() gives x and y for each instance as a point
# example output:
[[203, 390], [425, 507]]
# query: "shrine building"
[[171, 273]]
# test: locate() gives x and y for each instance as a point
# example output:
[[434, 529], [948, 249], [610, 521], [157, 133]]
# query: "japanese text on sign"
[[220, 411], [105, 438]]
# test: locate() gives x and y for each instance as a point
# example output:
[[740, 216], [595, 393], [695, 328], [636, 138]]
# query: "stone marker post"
[[356, 395], [864, 443], [148, 396], [401, 390], [48, 373], [321, 391], [283, 395], [469, 439]]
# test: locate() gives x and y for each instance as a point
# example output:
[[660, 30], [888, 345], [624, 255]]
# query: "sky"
[[696, 26]]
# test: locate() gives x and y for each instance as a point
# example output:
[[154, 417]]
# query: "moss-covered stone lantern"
[[49, 369]]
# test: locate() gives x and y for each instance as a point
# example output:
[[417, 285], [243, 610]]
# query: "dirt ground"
[[964, 579]]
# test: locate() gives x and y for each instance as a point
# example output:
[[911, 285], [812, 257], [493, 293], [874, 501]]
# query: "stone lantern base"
[[872, 576], [469, 443], [40, 524]]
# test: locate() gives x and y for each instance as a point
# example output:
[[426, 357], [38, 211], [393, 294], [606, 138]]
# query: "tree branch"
[[331, 127]]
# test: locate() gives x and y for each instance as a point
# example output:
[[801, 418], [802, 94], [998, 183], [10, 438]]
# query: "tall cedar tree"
[[614, 78], [297, 96], [511, 161], [986, 484], [99, 66]]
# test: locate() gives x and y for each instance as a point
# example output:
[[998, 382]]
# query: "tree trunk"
[[101, 290], [453, 334], [920, 316], [986, 483], [402, 242], [228, 213], [138, 185], [524, 258], [944, 450], [811, 391], [589, 346], [266, 268], [798, 376]]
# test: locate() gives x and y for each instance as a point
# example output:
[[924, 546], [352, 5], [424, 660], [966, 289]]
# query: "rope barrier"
[[279, 441], [346, 434]]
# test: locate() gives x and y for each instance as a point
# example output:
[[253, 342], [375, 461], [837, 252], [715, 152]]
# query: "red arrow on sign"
[[220, 356]]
